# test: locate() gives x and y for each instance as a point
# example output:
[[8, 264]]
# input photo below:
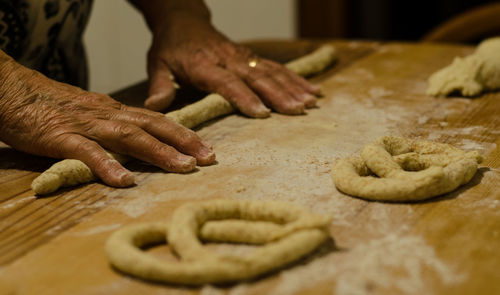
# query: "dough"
[[314, 62], [400, 169], [73, 172], [470, 75], [206, 109], [289, 232], [67, 173]]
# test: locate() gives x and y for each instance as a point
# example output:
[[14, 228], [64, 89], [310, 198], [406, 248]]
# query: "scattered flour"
[[393, 262], [135, 206], [16, 203], [467, 144], [422, 120], [378, 92], [97, 229]]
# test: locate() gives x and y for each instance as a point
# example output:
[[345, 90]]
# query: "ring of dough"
[[289, 232], [400, 169]]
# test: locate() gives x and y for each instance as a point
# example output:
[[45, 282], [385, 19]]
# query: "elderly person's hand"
[[44, 117], [187, 46]]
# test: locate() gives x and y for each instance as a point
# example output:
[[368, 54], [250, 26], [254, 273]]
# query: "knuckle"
[[160, 151], [87, 147], [187, 138], [145, 121], [125, 131]]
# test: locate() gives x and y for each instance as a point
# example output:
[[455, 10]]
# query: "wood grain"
[[448, 245]]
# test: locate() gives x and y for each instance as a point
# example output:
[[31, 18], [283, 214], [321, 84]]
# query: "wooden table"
[[447, 245]]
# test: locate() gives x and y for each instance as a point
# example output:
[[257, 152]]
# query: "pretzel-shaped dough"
[[289, 231], [409, 170]]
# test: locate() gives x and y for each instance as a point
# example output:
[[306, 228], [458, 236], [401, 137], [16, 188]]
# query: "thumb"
[[161, 86]]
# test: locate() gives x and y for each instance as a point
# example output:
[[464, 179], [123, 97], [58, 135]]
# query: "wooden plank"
[[27, 222], [447, 245]]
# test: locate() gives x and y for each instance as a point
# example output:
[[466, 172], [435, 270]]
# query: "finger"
[[269, 89], [302, 82], [161, 86], [95, 157], [131, 140], [288, 83], [169, 132], [217, 80]]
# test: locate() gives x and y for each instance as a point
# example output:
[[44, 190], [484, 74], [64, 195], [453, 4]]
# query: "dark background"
[[404, 20]]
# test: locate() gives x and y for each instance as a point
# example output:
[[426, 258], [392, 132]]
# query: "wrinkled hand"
[[195, 53], [44, 117]]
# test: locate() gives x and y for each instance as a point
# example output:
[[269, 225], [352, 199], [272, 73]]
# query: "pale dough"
[[470, 75], [400, 169], [288, 231], [73, 172], [65, 173]]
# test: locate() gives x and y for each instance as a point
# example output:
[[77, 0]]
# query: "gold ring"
[[253, 62]]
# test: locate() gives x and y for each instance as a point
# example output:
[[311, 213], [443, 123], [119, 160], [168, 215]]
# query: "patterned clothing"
[[46, 35]]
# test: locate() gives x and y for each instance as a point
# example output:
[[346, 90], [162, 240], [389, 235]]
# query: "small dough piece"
[[65, 173], [212, 106], [73, 172], [314, 62], [197, 266], [400, 169], [470, 75]]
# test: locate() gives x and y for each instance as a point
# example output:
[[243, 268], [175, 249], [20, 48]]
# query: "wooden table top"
[[447, 245]]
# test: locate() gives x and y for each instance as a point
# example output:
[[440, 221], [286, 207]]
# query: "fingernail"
[[263, 112], [187, 161], [297, 108], [318, 90], [126, 178], [206, 152], [309, 100], [207, 145]]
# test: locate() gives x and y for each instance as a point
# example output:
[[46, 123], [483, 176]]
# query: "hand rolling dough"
[[74, 172]]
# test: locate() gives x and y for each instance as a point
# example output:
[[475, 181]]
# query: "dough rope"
[[400, 169], [470, 75], [288, 231], [73, 172]]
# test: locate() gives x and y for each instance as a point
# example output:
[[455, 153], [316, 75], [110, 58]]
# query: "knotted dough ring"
[[400, 169], [288, 232]]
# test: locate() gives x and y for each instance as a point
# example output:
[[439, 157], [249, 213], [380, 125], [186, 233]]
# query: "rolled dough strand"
[[314, 62], [73, 172], [66, 173]]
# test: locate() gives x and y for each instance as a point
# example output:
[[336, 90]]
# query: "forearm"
[[159, 13]]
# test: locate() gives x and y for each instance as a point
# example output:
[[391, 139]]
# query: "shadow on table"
[[14, 159]]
